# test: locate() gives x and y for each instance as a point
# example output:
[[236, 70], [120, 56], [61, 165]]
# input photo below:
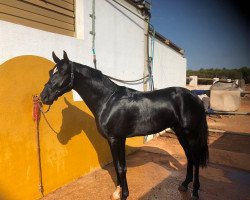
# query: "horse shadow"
[[75, 121]]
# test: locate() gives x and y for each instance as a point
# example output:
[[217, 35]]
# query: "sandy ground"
[[156, 170]]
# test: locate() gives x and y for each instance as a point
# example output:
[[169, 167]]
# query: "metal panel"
[[38, 10], [33, 24], [54, 16]]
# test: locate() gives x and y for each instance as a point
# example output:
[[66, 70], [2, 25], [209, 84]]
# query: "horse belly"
[[152, 122]]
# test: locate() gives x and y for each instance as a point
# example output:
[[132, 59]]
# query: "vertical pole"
[[146, 36], [146, 58], [93, 32], [151, 60]]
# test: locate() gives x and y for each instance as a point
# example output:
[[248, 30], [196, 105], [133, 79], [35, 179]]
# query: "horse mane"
[[89, 70], [96, 74]]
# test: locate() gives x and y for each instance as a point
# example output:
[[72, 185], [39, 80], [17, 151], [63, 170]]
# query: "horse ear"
[[55, 58], [65, 57]]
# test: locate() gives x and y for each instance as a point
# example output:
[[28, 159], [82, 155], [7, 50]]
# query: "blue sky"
[[213, 33]]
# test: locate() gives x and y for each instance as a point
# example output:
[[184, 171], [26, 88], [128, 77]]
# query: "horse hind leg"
[[200, 157], [189, 177], [181, 135], [200, 154], [195, 146], [196, 184]]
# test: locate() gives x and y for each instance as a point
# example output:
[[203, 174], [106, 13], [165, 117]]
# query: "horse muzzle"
[[45, 98]]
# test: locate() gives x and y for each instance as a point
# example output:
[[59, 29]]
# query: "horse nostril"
[[43, 96]]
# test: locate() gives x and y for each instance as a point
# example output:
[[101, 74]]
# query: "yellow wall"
[[74, 151]]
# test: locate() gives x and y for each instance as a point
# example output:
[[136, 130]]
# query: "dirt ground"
[[233, 123], [156, 170]]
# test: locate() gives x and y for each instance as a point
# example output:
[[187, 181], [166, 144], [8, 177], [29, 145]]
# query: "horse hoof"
[[114, 198], [116, 194], [183, 188]]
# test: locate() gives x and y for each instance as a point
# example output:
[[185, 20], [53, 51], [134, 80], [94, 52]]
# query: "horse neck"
[[93, 87]]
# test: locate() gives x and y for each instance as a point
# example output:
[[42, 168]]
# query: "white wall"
[[169, 67], [119, 40], [17, 40], [119, 45]]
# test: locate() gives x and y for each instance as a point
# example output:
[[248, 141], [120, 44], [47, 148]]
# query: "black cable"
[[125, 81]]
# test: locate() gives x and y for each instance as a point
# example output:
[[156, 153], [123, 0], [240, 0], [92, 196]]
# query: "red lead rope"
[[36, 108], [36, 117]]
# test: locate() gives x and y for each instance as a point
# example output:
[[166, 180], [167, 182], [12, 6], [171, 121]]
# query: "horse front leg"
[[117, 147]]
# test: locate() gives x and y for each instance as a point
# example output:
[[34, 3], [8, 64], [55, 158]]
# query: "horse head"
[[60, 81]]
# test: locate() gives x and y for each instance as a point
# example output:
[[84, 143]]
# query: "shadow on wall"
[[74, 121]]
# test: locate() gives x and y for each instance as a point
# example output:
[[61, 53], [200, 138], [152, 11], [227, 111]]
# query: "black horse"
[[122, 112]]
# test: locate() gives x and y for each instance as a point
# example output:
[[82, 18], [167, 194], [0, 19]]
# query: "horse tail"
[[202, 143]]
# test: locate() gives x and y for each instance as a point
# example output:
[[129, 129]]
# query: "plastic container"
[[225, 100]]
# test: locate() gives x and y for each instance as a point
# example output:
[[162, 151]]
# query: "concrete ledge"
[[229, 158], [225, 148]]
